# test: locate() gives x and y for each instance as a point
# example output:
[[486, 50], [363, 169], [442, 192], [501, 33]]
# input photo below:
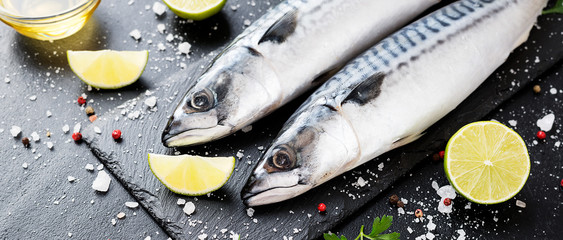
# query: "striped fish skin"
[[390, 95], [294, 47]]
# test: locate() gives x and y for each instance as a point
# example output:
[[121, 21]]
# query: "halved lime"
[[108, 69], [191, 175], [195, 9], [487, 162]]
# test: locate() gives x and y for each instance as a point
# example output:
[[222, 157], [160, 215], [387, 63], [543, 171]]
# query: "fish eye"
[[283, 158], [202, 100]]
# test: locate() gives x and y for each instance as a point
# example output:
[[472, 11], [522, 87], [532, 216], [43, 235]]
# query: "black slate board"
[[295, 218]]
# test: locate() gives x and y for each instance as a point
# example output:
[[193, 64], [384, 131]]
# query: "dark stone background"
[[35, 68]]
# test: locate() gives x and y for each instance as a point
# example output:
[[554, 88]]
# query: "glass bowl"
[[50, 27]]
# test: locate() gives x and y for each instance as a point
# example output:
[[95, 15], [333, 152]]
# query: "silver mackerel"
[[391, 94], [293, 47]]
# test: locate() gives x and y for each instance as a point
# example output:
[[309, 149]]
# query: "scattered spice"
[[436, 157], [537, 89], [400, 204], [394, 199], [442, 153], [48, 134], [561, 182], [92, 118], [321, 207], [447, 201], [116, 134], [81, 100], [25, 142], [541, 135], [418, 213], [77, 136], [89, 111]]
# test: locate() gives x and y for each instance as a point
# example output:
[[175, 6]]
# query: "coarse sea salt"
[[181, 201], [102, 181], [546, 123], [161, 28], [189, 208], [184, 48], [361, 182], [66, 128], [520, 204], [135, 34], [70, 178], [50, 145], [35, 136], [89, 167], [158, 8], [131, 204], [15, 131], [150, 101]]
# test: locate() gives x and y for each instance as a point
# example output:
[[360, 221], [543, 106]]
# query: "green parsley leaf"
[[379, 226], [558, 8], [332, 236]]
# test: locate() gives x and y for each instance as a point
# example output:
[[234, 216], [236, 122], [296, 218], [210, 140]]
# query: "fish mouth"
[[194, 136], [258, 191]]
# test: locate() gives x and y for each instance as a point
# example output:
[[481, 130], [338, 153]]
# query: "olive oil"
[[47, 19]]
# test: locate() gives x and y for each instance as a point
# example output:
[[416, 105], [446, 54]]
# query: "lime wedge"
[[487, 162], [108, 69], [191, 175], [195, 9]]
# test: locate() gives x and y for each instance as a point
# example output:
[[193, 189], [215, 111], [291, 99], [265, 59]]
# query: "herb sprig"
[[379, 226], [558, 8]]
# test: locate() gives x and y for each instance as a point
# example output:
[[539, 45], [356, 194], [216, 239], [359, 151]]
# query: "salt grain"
[[150, 101], [49, 114], [158, 8], [512, 123], [361, 182], [97, 130], [35, 136], [66, 128], [546, 123], [102, 181], [33, 98], [131, 204], [70, 178], [121, 215], [50, 145], [89, 167], [161, 28], [184, 48], [250, 212], [520, 204], [181, 201], [135, 34], [553, 91], [202, 236], [24, 165], [15, 131], [189, 208], [77, 128]]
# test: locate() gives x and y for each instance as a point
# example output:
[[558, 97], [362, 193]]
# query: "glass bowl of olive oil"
[[47, 19]]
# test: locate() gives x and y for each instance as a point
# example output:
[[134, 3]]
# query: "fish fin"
[[406, 140], [367, 90], [321, 78], [281, 29]]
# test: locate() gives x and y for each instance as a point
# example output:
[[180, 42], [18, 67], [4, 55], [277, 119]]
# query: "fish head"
[[226, 98], [313, 147]]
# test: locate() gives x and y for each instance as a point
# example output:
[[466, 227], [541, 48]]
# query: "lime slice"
[[108, 69], [195, 9], [487, 162], [191, 175]]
